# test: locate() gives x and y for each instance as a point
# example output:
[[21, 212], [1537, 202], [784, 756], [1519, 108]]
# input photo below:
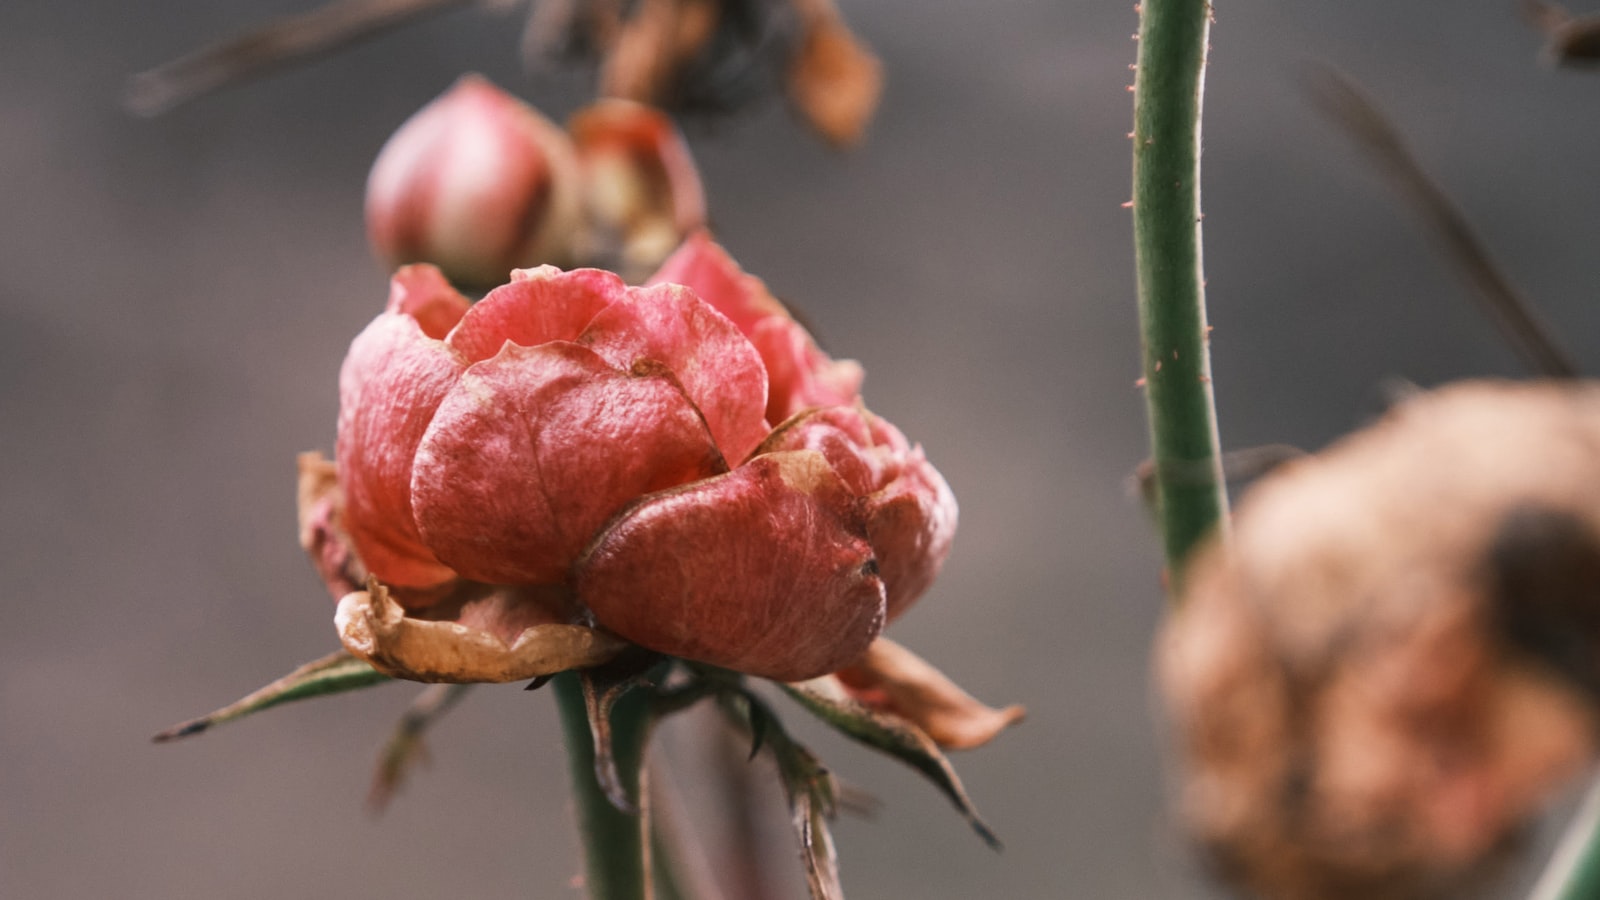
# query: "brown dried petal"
[[322, 535], [893, 679], [375, 628], [834, 79]]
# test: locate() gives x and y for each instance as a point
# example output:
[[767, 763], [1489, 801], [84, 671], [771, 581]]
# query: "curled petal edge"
[[374, 627], [889, 678]]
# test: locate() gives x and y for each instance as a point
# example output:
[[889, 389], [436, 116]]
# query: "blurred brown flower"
[[1394, 661]]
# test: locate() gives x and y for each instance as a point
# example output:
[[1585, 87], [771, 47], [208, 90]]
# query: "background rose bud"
[[476, 182], [642, 193], [613, 441]]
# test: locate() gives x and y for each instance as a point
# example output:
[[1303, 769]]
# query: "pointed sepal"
[[333, 674]]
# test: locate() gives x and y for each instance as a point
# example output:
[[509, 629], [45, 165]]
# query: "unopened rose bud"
[[478, 183], [642, 194]]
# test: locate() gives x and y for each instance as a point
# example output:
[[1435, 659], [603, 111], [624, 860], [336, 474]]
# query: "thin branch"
[[1173, 38], [291, 38], [1359, 117]]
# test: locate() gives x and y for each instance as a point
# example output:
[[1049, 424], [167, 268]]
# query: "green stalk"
[[1573, 872], [615, 846], [1189, 491]]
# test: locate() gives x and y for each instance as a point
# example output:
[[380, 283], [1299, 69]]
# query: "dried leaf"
[[375, 628], [827, 699], [892, 679], [834, 79], [333, 674], [811, 789], [405, 747], [602, 688]]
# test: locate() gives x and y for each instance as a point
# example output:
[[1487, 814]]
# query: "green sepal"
[[333, 674], [890, 734]]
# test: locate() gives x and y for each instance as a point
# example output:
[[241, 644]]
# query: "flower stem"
[[1166, 225], [1573, 872], [616, 849]]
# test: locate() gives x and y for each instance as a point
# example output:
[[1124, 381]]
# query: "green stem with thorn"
[[616, 847], [1190, 495]]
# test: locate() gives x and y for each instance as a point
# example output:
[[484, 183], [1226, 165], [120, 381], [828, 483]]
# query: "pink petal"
[[534, 450], [392, 380], [912, 523], [717, 367], [799, 374], [538, 306], [910, 510], [765, 570], [702, 265], [842, 436], [421, 292]]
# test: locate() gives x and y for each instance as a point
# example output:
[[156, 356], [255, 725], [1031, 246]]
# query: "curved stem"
[[1166, 224], [615, 847]]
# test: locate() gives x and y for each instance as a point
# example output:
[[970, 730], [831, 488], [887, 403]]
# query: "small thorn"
[[1127, 204], [1140, 383], [1158, 365], [539, 682], [1130, 88]]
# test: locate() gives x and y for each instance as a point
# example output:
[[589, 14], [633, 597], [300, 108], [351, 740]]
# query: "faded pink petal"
[[765, 570], [538, 306], [391, 382], [910, 511], [535, 449], [716, 366], [912, 522], [799, 374], [701, 264], [422, 292]]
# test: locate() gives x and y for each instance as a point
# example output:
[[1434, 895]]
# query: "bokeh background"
[[176, 296]]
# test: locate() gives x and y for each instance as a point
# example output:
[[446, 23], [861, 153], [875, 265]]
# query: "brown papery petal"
[[373, 627], [321, 510], [765, 570], [834, 79], [890, 677], [534, 450]]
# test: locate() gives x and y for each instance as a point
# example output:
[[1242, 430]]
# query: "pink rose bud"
[[613, 443], [642, 193], [476, 182]]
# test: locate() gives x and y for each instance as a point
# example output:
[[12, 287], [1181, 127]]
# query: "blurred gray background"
[[176, 296]]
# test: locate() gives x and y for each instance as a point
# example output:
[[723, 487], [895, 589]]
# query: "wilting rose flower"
[[679, 462], [478, 183]]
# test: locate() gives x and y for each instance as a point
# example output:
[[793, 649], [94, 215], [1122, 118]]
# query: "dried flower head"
[[1394, 660], [678, 463]]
